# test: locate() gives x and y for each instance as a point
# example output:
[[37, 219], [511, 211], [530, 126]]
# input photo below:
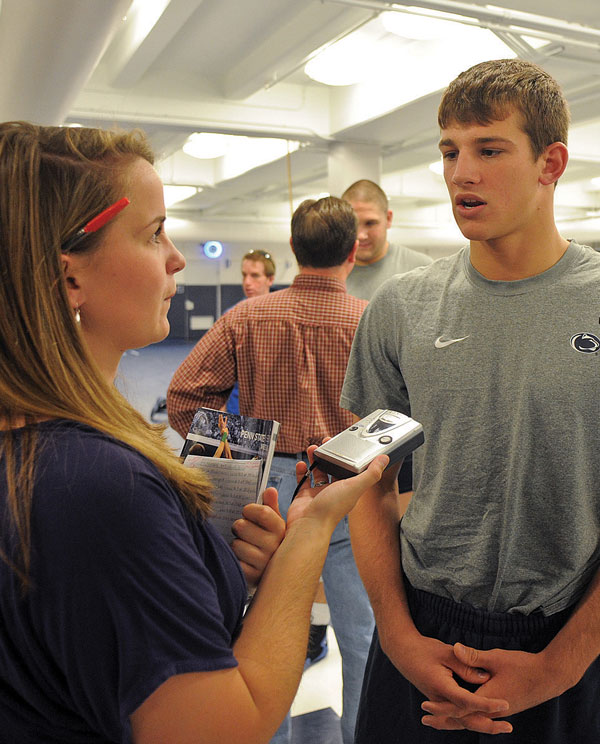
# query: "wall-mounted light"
[[212, 249]]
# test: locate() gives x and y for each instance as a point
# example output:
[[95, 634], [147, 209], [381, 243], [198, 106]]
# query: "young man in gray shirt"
[[487, 597]]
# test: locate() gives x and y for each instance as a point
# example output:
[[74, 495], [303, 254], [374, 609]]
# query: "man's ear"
[[389, 218], [74, 289], [352, 255], [292, 246], [554, 161]]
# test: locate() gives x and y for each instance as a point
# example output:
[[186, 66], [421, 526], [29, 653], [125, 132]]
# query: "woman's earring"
[[77, 315]]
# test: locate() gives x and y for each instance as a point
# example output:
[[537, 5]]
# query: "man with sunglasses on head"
[[258, 275]]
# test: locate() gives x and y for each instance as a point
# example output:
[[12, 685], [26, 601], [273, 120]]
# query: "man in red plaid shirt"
[[288, 350]]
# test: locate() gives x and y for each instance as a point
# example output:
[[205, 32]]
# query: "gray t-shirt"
[[364, 280], [505, 378]]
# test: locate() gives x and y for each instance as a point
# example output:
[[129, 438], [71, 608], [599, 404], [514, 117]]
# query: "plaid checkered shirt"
[[288, 350]]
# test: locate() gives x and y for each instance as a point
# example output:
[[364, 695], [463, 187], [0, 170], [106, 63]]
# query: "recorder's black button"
[[352, 428], [385, 440]]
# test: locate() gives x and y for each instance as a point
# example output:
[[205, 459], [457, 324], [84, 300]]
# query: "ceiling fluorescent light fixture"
[[174, 194], [438, 62], [245, 153], [239, 153], [346, 62], [452, 44], [206, 145], [178, 227], [437, 167]]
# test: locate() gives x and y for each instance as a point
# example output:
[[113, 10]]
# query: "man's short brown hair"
[[263, 257], [323, 232], [366, 191], [491, 91]]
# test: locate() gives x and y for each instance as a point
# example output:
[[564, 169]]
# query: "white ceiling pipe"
[[48, 51], [506, 19]]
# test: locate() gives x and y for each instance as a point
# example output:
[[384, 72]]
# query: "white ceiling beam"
[[288, 112], [250, 186], [49, 50], [286, 49], [149, 28]]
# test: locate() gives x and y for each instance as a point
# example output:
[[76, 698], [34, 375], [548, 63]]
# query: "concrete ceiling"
[[185, 66]]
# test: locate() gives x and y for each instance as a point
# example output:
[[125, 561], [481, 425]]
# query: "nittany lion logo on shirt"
[[586, 343]]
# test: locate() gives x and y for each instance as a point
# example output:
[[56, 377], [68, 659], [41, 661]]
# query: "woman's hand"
[[331, 500], [261, 529], [258, 535]]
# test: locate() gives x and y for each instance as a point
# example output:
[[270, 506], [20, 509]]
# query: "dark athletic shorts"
[[390, 707]]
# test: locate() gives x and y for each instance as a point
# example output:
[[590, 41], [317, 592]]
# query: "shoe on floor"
[[317, 645]]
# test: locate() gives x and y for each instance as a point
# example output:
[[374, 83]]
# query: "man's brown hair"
[[490, 91], [323, 232]]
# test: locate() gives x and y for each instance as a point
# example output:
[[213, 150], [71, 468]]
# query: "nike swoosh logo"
[[441, 342]]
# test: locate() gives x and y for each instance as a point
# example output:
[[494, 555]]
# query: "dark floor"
[[317, 727]]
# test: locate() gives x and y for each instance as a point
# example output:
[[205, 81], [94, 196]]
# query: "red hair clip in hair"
[[95, 224]]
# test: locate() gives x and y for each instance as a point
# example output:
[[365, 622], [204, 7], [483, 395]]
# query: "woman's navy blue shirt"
[[127, 590]]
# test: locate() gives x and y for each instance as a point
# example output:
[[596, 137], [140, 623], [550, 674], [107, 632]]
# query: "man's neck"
[[333, 272], [513, 259]]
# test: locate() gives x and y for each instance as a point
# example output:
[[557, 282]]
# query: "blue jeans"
[[351, 613]]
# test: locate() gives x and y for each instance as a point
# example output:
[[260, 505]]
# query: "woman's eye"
[[158, 233]]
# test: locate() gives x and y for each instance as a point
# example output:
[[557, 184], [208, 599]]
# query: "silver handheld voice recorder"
[[382, 432]]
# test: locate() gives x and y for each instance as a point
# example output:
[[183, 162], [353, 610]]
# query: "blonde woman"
[[120, 607]]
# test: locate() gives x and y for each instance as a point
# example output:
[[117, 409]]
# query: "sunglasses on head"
[[261, 253]]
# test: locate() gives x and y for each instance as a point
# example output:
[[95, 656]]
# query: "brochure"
[[235, 452]]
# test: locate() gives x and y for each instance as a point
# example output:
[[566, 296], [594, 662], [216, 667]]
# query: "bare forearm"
[[577, 645], [376, 547], [272, 646], [247, 703]]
